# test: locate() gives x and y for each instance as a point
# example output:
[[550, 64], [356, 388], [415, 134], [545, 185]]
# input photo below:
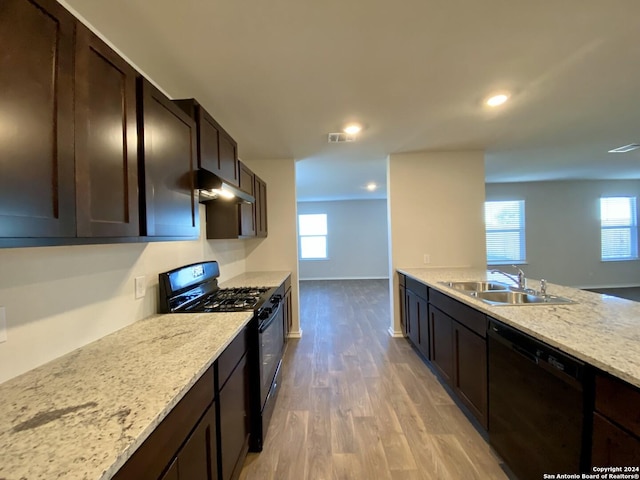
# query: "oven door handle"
[[270, 320]]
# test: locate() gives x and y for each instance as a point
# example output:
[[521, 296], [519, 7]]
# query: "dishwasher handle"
[[568, 369], [525, 353]]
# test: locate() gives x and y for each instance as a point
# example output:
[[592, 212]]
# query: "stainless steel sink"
[[519, 298], [478, 286], [497, 293]]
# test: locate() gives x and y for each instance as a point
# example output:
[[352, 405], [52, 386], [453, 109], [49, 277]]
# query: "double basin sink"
[[497, 293]]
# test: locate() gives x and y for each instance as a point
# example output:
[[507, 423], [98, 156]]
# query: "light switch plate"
[[3, 325], [141, 286]]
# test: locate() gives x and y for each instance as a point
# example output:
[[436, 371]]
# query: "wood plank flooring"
[[356, 403]]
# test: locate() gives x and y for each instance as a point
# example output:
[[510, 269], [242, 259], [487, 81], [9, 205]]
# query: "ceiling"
[[281, 75]]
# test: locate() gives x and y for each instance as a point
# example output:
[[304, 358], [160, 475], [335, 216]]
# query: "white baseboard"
[[395, 333], [295, 334]]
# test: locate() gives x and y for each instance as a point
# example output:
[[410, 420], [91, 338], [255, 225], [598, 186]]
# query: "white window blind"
[[504, 221], [312, 229], [619, 228]]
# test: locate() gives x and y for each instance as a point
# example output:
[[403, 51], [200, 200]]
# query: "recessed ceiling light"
[[371, 186], [626, 148], [496, 100], [352, 129]]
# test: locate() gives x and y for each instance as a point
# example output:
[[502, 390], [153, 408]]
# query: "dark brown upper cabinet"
[[37, 191], [260, 191], [167, 154], [247, 211], [106, 141], [228, 219], [217, 151]]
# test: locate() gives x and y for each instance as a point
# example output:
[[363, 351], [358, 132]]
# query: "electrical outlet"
[[141, 286], [427, 258], [3, 325]]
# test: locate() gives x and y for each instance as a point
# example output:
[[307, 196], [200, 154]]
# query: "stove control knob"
[[264, 313]]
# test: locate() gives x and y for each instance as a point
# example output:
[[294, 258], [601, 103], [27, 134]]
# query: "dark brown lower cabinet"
[[288, 310], [206, 435], [441, 326], [186, 422], [616, 423], [234, 421], [402, 303], [172, 473], [613, 446], [412, 317], [470, 375], [459, 351], [198, 458], [418, 322]]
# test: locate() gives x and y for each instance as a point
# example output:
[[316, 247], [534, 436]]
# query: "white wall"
[[279, 250], [563, 230], [357, 240], [60, 298], [436, 204]]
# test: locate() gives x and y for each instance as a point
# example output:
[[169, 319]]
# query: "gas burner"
[[230, 304], [241, 292], [233, 299]]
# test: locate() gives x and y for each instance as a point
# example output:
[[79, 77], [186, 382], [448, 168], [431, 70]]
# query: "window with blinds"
[[504, 221], [312, 229], [619, 228]]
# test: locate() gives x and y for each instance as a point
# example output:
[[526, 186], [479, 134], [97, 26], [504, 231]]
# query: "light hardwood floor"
[[356, 403]]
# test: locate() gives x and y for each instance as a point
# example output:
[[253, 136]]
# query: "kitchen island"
[[600, 330], [507, 365], [83, 415]]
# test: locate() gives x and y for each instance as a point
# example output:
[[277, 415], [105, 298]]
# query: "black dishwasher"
[[535, 404]]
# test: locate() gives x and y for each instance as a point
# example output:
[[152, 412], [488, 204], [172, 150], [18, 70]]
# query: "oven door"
[[271, 342]]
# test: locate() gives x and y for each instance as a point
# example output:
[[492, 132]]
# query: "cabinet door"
[[168, 137], [106, 141], [260, 189], [228, 163], [418, 321], [247, 211], [441, 343], [423, 325], [172, 473], [198, 458], [613, 446], [234, 424], [208, 148], [37, 193], [470, 367], [412, 317], [288, 314], [402, 302]]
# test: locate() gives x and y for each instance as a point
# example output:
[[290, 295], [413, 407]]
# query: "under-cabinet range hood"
[[211, 187]]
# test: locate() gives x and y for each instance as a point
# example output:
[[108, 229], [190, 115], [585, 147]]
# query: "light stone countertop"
[[256, 279], [83, 415], [601, 330]]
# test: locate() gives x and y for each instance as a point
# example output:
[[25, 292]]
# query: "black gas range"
[[194, 289]]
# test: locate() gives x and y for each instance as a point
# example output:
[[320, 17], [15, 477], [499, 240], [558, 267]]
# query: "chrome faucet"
[[519, 280]]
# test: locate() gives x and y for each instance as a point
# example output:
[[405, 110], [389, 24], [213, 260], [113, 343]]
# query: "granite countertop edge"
[[597, 329]]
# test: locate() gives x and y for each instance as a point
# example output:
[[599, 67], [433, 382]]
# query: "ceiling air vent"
[[626, 148], [341, 137]]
